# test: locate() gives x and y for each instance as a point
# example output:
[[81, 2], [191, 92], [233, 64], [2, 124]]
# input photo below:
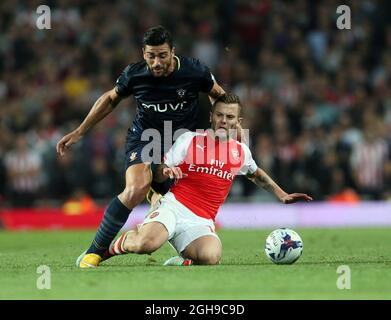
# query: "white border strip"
[[265, 215]]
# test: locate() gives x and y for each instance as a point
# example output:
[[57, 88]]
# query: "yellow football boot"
[[89, 260]]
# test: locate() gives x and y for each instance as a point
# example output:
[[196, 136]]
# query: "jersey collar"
[[178, 62]]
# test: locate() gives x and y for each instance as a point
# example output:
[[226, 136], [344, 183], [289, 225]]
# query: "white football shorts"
[[182, 224]]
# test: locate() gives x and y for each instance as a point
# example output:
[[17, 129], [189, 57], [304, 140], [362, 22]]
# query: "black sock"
[[114, 218]]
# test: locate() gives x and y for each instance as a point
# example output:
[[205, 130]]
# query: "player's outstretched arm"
[[101, 108], [262, 179]]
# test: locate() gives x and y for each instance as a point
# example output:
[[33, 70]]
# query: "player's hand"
[[240, 136], [174, 173], [295, 197], [67, 141]]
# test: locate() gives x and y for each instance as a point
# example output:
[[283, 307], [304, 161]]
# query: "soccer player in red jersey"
[[205, 165]]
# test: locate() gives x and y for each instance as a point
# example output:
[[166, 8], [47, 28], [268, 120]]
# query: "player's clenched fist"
[[174, 173]]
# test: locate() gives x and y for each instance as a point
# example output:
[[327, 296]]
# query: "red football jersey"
[[211, 166]]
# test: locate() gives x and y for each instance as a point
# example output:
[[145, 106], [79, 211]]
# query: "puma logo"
[[200, 147]]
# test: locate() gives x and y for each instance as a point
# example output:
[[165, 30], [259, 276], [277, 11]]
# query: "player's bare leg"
[[116, 247], [150, 237], [205, 250], [138, 182], [147, 239]]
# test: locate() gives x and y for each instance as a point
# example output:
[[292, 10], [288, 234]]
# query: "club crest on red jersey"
[[235, 154]]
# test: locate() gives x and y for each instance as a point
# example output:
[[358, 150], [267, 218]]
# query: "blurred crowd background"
[[317, 100]]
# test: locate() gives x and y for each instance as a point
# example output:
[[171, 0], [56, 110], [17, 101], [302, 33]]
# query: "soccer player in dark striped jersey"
[[166, 89]]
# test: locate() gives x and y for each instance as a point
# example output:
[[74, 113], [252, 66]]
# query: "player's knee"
[[145, 245], [209, 258], [133, 195]]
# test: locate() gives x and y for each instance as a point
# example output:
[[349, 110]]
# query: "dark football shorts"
[[137, 151]]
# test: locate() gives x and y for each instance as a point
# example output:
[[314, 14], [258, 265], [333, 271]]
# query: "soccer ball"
[[283, 246]]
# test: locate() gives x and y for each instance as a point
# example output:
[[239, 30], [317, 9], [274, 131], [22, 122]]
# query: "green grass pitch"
[[244, 273]]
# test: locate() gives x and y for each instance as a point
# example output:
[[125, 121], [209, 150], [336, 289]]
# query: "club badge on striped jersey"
[[181, 93], [133, 156]]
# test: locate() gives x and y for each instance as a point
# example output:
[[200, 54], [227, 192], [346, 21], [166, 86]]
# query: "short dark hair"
[[228, 98], [157, 36]]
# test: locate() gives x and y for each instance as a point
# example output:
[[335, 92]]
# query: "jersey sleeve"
[[207, 79], [177, 152], [122, 85], [249, 165]]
